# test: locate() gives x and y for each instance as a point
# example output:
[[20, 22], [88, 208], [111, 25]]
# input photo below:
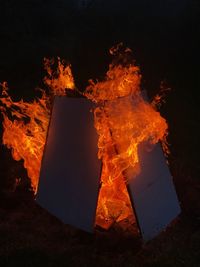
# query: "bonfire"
[[124, 119]]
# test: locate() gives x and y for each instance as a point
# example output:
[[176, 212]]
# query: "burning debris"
[[124, 121]]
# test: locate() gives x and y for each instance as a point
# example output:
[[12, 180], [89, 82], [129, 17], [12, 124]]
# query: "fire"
[[59, 78], [25, 124], [124, 120]]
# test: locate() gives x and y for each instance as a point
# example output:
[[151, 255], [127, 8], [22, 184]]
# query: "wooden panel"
[[70, 172], [153, 194]]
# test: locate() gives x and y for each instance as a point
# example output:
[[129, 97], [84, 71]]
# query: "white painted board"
[[152, 193], [70, 172]]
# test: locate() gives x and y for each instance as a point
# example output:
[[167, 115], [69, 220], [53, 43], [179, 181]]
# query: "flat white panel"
[[70, 171], [152, 193]]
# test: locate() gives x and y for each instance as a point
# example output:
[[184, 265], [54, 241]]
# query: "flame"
[[25, 124], [26, 140], [123, 120], [61, 78], [120, 81]]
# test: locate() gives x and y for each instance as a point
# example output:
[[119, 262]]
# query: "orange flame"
[[61, 78], [25, 133], [123, 120]]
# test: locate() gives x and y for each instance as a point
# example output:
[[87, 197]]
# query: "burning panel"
[[152, 192], [69, 178], [130, 130]]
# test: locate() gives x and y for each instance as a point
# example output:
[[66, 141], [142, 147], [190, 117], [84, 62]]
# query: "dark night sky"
[[162, 34]]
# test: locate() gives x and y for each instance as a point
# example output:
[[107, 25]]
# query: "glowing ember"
[[26, 133]]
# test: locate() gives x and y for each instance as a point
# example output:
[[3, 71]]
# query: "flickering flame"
[[120, 81], [123, 120], [59, 78], [25, 124], [26, 139]]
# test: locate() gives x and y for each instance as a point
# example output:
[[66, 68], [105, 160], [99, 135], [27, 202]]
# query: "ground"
[[164, 43]]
